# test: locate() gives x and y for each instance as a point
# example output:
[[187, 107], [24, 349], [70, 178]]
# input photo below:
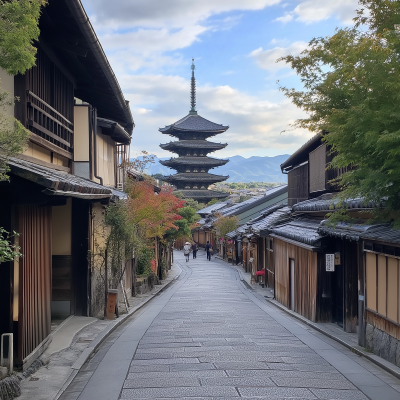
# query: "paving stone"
[[158, 361], [237, 382], [211, 341], [312, 383], [328, 394], [207, 373], [277, 393], [160, 382], [268, 373], [192, 367], [153, 393], [149, 368]]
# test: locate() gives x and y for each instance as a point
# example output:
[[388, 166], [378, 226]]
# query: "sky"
[[235, 44]]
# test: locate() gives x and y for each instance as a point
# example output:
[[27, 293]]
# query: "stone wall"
[[383, 345], [146, 283]]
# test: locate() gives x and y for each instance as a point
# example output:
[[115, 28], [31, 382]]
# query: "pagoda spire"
[[193, 91]]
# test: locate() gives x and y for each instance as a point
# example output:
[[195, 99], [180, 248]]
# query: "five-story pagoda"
[[193, 164]]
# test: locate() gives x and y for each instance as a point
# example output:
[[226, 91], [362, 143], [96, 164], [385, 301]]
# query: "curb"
[[92, 348], [380, 362]]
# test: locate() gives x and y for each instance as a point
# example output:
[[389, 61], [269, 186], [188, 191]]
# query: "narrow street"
[[208, 336]]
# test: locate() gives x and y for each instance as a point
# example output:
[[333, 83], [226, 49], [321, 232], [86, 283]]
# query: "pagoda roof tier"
[[194, 161], [194, 123], [195, 177], [193, 144], [202, 194]]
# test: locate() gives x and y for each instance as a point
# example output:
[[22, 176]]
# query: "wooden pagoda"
[[193, 164]]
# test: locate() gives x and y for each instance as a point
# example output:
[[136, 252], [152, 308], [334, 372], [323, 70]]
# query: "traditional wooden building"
[[193, 178], [81, 128]]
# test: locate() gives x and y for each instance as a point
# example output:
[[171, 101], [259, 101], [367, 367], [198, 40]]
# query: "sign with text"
[[330, 262]]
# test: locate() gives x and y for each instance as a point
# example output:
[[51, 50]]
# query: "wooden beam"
[[49, 107], [49, 146], [43, 163], [30, 104], [48, 133]]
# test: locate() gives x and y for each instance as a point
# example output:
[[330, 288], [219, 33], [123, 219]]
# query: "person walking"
[[208, 250], [186, 250], [194, 249]]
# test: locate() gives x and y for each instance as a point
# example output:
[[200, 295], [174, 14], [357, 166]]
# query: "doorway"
[[291, 282], [337, 295]]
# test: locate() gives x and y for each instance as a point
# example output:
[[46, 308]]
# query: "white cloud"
[[171, 13], [255, 123], [146, 41], [286, 18], [312, 11], [266, 59]]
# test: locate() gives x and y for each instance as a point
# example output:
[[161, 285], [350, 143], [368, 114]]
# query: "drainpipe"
[[95, 146]]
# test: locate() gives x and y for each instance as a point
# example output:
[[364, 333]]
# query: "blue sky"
[[150, 44]]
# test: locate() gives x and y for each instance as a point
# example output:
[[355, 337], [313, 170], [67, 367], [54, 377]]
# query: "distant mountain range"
[[240, 169]]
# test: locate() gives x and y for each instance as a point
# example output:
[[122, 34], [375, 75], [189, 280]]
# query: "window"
[[383, 285], [270, 244]]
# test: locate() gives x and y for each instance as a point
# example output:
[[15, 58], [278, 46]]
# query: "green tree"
[[18, 32], [8, 251], [224, 225], [351, 90]]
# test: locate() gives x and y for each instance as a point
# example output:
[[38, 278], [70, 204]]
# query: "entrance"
[[337, 295]]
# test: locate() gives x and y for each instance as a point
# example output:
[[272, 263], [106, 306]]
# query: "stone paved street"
[[210, 337]]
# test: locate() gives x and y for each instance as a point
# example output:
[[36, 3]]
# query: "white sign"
[[330, 262]]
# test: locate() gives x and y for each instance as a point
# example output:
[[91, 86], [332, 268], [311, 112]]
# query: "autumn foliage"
[[154, 213]]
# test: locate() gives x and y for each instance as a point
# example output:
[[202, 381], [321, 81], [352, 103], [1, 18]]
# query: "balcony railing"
[[47, 123]]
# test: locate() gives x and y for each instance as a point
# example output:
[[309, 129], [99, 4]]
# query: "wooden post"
[[105, 284]]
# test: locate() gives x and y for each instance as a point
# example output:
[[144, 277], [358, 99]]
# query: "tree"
[[13, 136], [351, 93], [8, 251], [18, 32], [19, 20], [224, 225]]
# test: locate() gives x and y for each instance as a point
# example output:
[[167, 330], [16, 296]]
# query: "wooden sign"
[[330, 262], [111, 303]]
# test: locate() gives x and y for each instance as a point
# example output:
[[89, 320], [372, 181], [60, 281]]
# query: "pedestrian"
[[194, 249], [208, 250], [186, 250]]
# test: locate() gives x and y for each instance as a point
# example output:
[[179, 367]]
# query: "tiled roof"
[[301, 230], [194, 123], [256, 200], [194, 161], [212, 208], [344, 230], [359, 231], [328, 202], [61, 183], [195, 177], [264, 226], [383, 233], [237, 207], [193, 144]]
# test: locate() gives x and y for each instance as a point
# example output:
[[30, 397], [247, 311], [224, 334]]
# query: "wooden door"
[[34, 308]]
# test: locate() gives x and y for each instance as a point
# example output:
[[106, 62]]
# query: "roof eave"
[[88, 32]]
